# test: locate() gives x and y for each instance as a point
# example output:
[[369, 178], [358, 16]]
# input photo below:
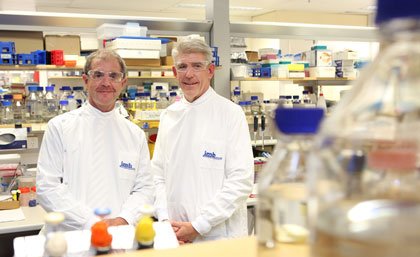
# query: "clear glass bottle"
[[172, 97], [365, 183], [72, 103], [281, 207], [33, 108], [65, 91], [18, 108], [7, 112], [236, 97], [79, 95], [50, 104], [255, 105], [64, 106]]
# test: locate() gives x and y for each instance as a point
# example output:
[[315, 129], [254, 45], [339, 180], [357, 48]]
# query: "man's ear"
[[174, 71]]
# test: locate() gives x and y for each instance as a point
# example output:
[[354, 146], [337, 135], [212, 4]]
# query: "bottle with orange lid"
[[101, 239], [25, 195]]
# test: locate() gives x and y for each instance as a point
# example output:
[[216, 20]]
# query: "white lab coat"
[[203, 166], [90, 159]]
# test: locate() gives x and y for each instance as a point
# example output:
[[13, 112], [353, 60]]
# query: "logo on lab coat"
[[126, 166], [211, 155]]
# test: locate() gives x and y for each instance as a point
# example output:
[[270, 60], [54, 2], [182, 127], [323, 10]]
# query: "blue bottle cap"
[[7, 97], [102, 212], [254, 97], [391, 9], [299, 120], [49, 89], [65, 88], [32, 88], [159, 87], [172, 94], [7, 103]]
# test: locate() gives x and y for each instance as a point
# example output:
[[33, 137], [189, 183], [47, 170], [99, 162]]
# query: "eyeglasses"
[[195, 66], [98, 75]]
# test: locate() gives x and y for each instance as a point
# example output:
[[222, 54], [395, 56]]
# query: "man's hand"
[[184, 231], [118, 221]]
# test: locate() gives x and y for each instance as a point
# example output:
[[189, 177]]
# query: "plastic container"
[[365, 186], [25, 196], [281, 207]]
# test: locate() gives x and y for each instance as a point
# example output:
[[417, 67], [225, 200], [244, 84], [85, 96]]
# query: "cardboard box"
[[142, 62], [9, 205], [167, 60], [321, 58], [69, 44], [138, 54], [25, 41], [252, 56], [134, 43], [166, 49]]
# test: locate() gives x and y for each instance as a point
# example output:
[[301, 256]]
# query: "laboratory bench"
[[31, 225], [243, 247]]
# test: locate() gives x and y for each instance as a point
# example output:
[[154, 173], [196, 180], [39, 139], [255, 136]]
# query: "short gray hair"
[[192, 45], [104, 54]]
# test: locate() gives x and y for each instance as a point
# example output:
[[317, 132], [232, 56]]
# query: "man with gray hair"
[[93, 157], [202, 163]]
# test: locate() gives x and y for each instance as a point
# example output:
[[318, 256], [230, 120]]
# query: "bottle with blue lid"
[[33, 106], [281, 207], [365, 187], [7, 112], [50, 106]]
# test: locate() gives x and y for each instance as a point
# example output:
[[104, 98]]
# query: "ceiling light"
[[236, 8]]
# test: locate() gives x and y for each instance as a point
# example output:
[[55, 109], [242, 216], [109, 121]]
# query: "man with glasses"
[[93, 157], [202, 163]]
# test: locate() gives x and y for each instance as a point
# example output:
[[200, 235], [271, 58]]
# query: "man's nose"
[[190, 72]]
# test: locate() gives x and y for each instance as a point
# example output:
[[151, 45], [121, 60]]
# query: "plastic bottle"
[[281, 207], [145, 234], [50, 104], [7, 112], [18, 108], [101, 239], [55, 241], [321, 103], [33, 107], [365, 185]]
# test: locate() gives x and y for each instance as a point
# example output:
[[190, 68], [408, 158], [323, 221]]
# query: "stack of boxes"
[[10, 57], [344, 64], [7, 53], [320, 62], [137, 51]]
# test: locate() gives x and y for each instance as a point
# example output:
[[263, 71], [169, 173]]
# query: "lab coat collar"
[[209, 93], [92, 110]]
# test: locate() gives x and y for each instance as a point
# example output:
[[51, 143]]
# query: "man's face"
[[104, 83], [194, 74]]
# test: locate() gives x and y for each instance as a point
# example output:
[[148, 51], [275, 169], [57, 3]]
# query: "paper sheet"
[[11, 215]]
